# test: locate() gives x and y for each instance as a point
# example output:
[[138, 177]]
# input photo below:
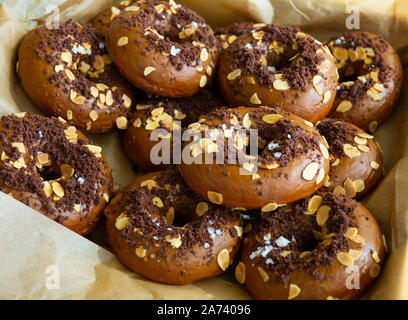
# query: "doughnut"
[[325, 246], [102, 21], [370, 79], [290, 160], [356, 164], [163, 48], [274, 64], [157, 112], [66, 72], [161, 230], [53, 168]]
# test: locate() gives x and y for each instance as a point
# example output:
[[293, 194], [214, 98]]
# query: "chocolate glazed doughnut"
[[326, 246], [356, 161], [54, 169], [370, 78], [163, 48], [282, 65], [157, 112], [293, 159], [67, 73], [160, 229]]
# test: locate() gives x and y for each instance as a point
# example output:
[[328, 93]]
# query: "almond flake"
[[122, 41], [294, 291], [234, 74], [309, 172], [215, 197], [240, 272], [223, 259]]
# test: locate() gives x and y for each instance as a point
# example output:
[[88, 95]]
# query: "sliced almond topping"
[[375, 257], [66, 170], [374, 270], [223, 259], [59, 67], [66, 56], [57, 188], [121, 122], [350, 151], [357, 239], [373, 126], [322, 214], [375, 165], [44, 159], [351, 232], [309, 172], [93, 115], [359, 185], [324, 151], [175, 242], [204, 55], [126, 101], [132, 8], [246, 121], [149, 184], [281, 85], [344, 106], [69, 74], [363, 148], [269, 207], [373, 94], [203, 81], [140, 251], [77, 99], [137, 123], [77, 207], [339, 190], [345, 259], [148, 70], [69, 114], [326, 97], [294, 291], [355, 254], [122, 41], [272, 118], [385, 243], [316, 80], [157, 202], [109, 98], [215, 197], [47, 188], [314, 204], [20, 147], [264, 275], [239, 229], [240, 272], [201, 208], [350, 188], [340, 53]]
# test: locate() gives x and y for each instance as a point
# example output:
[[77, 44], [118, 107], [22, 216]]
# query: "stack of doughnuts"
[[274, 125]]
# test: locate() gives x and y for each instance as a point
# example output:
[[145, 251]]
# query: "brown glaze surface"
[[160, 58], [319, 274], [371, 67], [175, 248], [359, 168], [50, 71], [88, 185], [284, 75], [280, 185]]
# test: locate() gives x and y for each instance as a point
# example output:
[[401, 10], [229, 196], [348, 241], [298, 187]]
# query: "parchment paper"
[[39, 255]]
